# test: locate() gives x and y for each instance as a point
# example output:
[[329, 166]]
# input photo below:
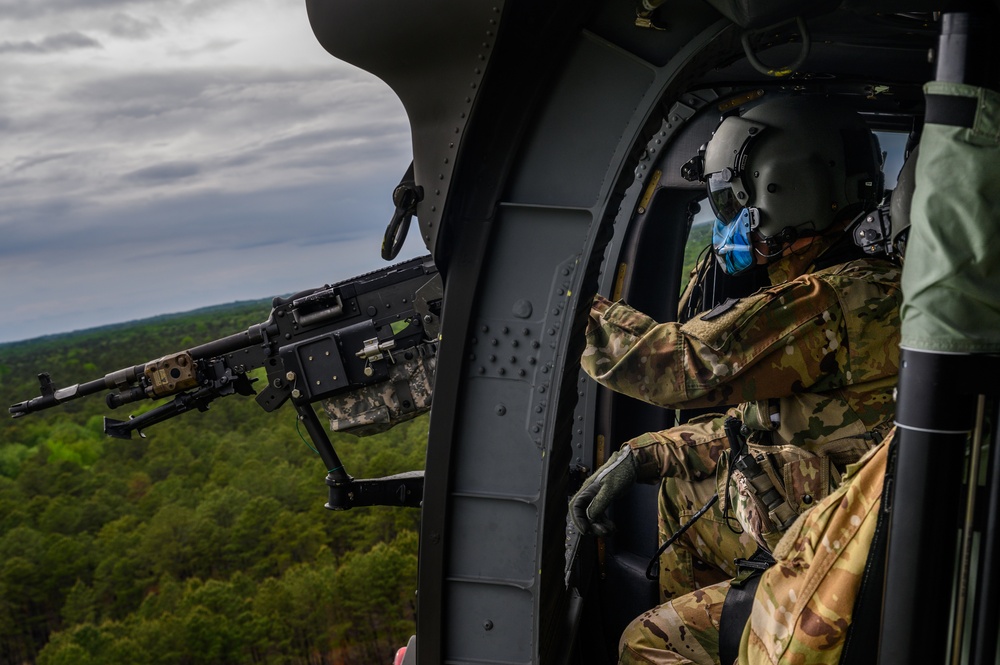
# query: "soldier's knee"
[[636, 640], [632, 634], [629, 656]]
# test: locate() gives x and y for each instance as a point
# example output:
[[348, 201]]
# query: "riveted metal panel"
[[498, 544], [499, 458], [488, 624], [581, 126], [530, 281], [522, 265]]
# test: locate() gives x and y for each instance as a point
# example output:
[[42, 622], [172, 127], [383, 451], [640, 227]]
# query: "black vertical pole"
[[934, 416], [986, 620]]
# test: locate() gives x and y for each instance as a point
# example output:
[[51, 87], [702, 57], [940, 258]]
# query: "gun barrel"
[[50, 398], [255, 334]]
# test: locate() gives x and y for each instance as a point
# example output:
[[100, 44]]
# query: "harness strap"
[[739, 602]]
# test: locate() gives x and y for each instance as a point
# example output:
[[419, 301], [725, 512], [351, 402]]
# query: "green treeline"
[[206, 542], [699, 239]]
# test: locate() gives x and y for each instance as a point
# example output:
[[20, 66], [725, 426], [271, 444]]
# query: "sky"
[[157, 156]]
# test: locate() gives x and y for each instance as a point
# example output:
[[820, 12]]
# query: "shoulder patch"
[[720, 309]]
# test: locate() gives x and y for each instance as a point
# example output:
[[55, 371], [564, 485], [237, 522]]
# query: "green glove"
[[587, 508]]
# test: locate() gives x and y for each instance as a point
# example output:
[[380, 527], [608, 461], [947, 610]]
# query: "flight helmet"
[[785, 169]]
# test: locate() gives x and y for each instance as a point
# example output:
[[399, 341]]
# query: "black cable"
[[651, 570]]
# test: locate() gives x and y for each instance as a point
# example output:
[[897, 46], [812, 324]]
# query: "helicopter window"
[[699, 238], [893, 145]]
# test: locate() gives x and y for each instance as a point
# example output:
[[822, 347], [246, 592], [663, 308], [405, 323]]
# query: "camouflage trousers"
[[695, 570], [684, 630], [704, 554], [803, 604]]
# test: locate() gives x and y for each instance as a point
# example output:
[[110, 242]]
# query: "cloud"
[[77, 244], [170, 171], [209, 47], [66, 41], [25, 163], [126, 26], [233, 130], [24, 11], [204, 152], [195, 252]]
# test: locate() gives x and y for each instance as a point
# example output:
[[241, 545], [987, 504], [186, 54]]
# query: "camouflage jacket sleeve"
[[787, 339], [690, 451]]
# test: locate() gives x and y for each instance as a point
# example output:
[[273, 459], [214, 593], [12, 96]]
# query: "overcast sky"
[[162, 155]]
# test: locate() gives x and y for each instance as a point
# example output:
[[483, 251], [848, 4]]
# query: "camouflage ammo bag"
[[376, 408]]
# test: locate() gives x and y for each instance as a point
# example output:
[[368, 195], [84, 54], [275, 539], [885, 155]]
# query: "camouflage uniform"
[[813, 362], [804, 603], [704, 554]]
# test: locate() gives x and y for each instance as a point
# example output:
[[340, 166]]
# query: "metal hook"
[[406, 196], [783, 71]]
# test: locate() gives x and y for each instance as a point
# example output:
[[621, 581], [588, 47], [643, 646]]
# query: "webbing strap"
[[739, 602], [951, 110]]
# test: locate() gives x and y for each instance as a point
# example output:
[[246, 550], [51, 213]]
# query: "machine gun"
[[339, 343]]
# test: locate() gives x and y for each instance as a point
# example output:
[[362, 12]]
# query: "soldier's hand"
[[587, 509]]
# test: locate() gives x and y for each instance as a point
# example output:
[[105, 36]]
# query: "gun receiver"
[[320, 344]]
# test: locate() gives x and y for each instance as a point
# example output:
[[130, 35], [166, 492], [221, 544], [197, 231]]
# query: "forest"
[[206, 542]]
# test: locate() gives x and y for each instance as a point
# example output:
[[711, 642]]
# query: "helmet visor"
[[722, 198], [731, 242]]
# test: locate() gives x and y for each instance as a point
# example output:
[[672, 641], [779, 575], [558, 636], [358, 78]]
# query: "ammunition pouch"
[[761, 503], [775, 483], [378, 407]]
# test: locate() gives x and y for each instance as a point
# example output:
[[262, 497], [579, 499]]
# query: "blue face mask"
[[731, 242]]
